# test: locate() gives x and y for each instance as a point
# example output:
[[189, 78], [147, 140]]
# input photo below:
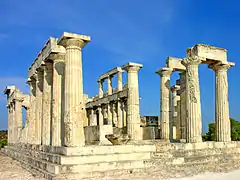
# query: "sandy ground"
[[11, 169]]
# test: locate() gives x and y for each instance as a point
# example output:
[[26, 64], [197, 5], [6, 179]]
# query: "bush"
[[3, 142]]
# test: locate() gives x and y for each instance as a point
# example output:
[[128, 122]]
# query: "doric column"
[[133, 111], [193, 104], [183, 118], [57, 98], [32, 119], [165, 74], [74, 100], [114, 113], [223, 125], [100, 89], [39, 103], [175, 113], [120, 85], [110, 88], [124, 108], [10, 123], [93, 118], [47, 102], [18, 118], [101, 123], [119, 114], [109, 114]]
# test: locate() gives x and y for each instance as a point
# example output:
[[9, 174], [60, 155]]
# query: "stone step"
[[101, 167], [70, 160]]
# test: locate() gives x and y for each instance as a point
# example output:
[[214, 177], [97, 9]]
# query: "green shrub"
[[3, 142]]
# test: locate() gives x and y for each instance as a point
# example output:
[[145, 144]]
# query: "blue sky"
[[138, 30]]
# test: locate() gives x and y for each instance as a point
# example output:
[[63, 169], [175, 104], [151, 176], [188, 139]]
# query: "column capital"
[[132, 67], [70, 40], [163, 72], [57, 57], [221, 66], [192, 60]]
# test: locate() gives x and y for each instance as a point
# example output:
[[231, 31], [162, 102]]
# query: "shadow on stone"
[[118, 139]]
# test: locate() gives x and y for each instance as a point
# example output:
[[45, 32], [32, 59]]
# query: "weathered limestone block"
[[210, 52], [165, 102]]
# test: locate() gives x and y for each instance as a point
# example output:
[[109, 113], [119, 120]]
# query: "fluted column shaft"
[[74, 102], [193, 104], [39, 103], [133, 111], [120, 85], [57, 98], [109, 114], [18, 118], [100, 89], [165, 74], [183, 118], [110, 88], [114, 113], [101, 124], [32, 122], [119, 114], [223, 125], [10, 124], [47, 103], [175, 113]]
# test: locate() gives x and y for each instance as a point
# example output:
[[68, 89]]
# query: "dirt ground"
[[11, 169]]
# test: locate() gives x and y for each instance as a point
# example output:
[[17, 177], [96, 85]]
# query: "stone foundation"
[[95, 161]]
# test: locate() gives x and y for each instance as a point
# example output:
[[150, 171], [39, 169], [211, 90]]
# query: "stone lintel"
[[106, 100], [210, 53], [112, 72], [49, 48], [175, 64], [165, 69]]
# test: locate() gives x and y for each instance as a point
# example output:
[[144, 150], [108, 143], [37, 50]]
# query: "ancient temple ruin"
[[70, 135]]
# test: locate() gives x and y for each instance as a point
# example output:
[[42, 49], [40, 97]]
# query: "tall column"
[[119, 114], [101, 125], [120, 85], [109, 114], [57, 97], [74, 100], [100, 89], [32, 122], [124, 108], [9, 123], [193, 104], [39, 103], [175, 113], [114, 113], [133, 111], [165, 74], [183, 118], [93, 118], [110, 88], [223, 125], [18, 118], [47, 103]]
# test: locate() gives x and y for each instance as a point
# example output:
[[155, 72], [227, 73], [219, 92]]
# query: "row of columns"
[[114, 112], [187, 100], [56, 98]]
